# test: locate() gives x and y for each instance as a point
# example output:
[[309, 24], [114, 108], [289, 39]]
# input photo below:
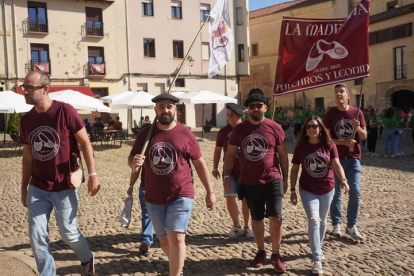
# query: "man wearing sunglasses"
[[50, 133], [346, 130], [263, 177]]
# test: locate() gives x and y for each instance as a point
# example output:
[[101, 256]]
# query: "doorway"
[[403, 99]]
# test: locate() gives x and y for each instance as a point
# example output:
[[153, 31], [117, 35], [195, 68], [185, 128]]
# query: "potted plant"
[[207, 126], [135, 129], [14, 124]]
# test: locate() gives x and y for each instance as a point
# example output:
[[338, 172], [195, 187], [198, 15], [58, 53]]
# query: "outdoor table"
[[109, 134]]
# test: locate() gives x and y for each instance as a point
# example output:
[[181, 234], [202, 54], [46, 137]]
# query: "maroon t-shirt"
[[47, 134], [222, 140], [259, 160], [168, 174], [340, 125], [317, 174]]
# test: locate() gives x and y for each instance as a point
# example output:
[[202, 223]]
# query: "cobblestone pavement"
[[386, 219]]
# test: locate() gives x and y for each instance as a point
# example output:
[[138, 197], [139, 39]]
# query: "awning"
[[82, 89]]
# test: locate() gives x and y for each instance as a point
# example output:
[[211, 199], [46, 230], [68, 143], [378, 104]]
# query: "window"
[[239, 14], [40, 57], [400, 63], [255, 50], [96, 60], [357, 98], [204, 11], [392, 5], [180, 83], [241, 52], [358, 82], [205, 51], [147, 8], [37, 17], [176, 10], [178, 49], [94, 23], [396, 32], [149, 47], [142, 87]]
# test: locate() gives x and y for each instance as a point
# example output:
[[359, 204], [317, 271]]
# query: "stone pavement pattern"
[[386, 219]]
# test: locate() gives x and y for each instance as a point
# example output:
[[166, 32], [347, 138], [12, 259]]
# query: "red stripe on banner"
[[318, 52]]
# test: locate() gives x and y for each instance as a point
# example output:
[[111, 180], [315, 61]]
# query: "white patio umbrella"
[[140, 99], [116, 97], [177, 93], [79, 100], [11, 102], [205, 97]]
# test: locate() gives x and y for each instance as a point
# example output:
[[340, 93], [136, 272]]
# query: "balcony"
[[97, 69], [400, 72], [43, 65], [94, 28], [37, 25]]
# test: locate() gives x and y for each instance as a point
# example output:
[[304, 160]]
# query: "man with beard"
[[262, 151], [234, 113], [169, 186], [342, 124], [50, 133]]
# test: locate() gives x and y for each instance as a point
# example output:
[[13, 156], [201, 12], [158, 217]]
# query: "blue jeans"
[[389, 137], [316, 208], [398, 141], [65, 204], [353, 171], [146, 235]]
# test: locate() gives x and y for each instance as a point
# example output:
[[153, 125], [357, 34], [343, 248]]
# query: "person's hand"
[[210, 200], [345, 186], [355, 124], [93, 185], [216, 174], [293, 198], [138, 160], [349, 143], [227, 184], [285, 185], [130, 190], [24, 197]]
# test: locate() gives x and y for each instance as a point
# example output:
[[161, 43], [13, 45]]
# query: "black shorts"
[[265, 200]]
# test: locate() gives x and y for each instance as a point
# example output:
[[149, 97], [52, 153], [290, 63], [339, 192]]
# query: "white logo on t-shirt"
[[317, 164], [344, 129], [255, 147], [45, 143], [163, 158]]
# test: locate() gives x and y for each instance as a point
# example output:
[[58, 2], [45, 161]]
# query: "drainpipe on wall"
[[129, 111], [6, 50]]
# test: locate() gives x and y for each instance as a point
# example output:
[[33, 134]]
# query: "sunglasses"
[[315, 126], [258, 106], [30, 88]]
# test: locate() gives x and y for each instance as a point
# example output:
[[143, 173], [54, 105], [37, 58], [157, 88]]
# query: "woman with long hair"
[[390, 125], [318, 156]]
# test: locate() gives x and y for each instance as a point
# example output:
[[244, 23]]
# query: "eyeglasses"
[[258, 106], [315, 126], [30, 88]]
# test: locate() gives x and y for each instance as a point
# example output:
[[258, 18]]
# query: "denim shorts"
[[171, 217], [234, 184]]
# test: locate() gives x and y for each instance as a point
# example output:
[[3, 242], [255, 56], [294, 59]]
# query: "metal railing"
[[94, 28], [41, 65], [99, 70], [37, 25]]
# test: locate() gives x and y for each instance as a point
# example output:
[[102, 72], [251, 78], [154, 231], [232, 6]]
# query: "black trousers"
[[372, 139]]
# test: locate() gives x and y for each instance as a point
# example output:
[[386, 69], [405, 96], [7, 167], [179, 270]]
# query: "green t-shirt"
[[400, 124], [389, 124], [412, 121], [373, 119], [298, 115]]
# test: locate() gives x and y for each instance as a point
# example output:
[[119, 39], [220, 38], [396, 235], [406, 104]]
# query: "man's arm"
[[284, 164], [26, 171], [216, 161], [202, 172], [342, 142], [228, 166], [93, 181]]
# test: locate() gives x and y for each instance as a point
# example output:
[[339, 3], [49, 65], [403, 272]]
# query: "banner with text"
[[319, 52]]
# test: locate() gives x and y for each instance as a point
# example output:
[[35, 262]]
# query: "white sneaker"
[[402, 153], [353, 232], [397, 154], [89, 268], [385, 156], [248, 233], [374, 154], [336, 230], [392, 156], [317, 267], [322, 256], [235, 232]]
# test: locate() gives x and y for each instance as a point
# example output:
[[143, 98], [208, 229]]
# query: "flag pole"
[[273, 107], [361, 92], [135, 173]]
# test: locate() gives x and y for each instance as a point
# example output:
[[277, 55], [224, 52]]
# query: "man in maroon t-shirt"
[[346, 129], [50, 133], [169, 186], [234, 113], [261, 142]]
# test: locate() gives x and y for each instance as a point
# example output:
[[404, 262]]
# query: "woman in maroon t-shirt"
[[319, 158]]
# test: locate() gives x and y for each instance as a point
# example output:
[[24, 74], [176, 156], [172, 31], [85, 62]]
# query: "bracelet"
[[216, 170], [292, 189], [131, 186], [293, 192], [344, 179], [211, 192], [226, 176], [92, 174]]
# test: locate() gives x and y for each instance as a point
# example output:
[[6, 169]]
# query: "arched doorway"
[[403, 99]]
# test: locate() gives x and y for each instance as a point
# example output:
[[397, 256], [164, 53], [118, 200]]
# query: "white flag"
[[221, 38]]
